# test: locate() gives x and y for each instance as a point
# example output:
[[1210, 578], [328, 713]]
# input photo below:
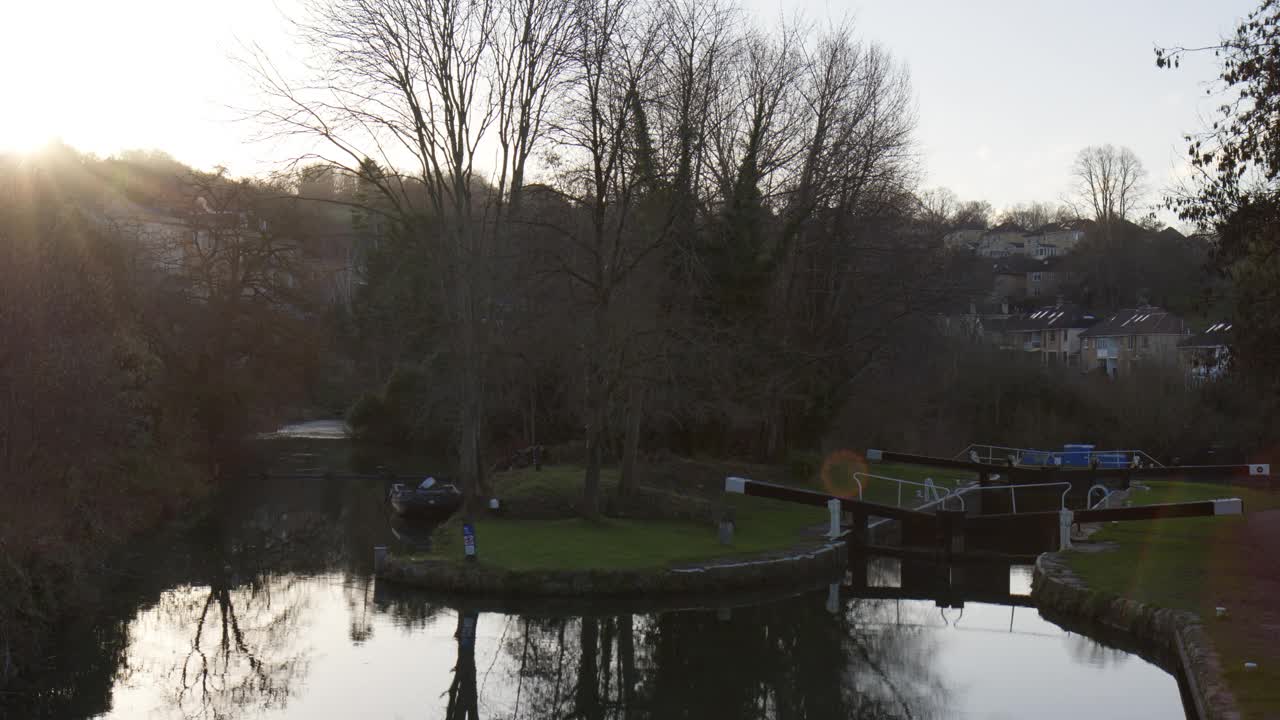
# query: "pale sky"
[[1007, 90]]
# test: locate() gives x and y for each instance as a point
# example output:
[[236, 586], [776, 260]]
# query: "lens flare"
[[837, 473]]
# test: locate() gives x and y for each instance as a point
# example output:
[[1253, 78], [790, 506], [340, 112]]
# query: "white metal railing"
[[1013, 492], [1001, 455], [938, 493], [1106, 495]]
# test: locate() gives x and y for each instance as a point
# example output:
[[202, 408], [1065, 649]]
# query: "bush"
[[368, 418], [803, 466]]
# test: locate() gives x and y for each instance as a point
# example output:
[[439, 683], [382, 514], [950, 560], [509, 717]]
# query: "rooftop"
[[1053, 317], [1145, 320], [1216, 335]]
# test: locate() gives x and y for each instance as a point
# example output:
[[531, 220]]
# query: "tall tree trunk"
[[597, 405], [631, 445]]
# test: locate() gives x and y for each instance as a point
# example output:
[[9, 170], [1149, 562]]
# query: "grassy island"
[[541, 529]]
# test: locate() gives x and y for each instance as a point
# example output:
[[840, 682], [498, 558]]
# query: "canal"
[[268, 609]]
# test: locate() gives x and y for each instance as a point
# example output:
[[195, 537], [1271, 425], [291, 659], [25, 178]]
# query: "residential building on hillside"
[[1009, 240], [1017, 278], [1002, 241], [1132, 338], [1052, 333], [1206, 355]]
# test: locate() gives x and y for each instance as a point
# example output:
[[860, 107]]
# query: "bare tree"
[[1032, 215], [1108, 182], [419, 86]]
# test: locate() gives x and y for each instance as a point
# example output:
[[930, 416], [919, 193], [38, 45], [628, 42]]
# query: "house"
[[1052, 333], [1206, 355], [1056, 238], [974, 320], [1132, 338], [1002, 241], [1023, 277]]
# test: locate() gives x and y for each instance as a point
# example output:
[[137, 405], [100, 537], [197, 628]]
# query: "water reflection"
[[269, 611]]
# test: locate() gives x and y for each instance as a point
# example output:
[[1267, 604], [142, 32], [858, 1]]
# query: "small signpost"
[[468, 541]]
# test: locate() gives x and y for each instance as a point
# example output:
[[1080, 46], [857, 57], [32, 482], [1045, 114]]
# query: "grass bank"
[[621, 543], [1198, 564], [559, 540]]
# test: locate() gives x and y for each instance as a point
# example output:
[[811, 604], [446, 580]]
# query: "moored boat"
[[431, 500]]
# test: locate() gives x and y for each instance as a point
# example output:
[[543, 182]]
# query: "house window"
[[1133, 341], [1035, 292], [1035, 277]]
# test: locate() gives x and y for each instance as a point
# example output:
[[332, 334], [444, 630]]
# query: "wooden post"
[[858, 531], [951, 529]]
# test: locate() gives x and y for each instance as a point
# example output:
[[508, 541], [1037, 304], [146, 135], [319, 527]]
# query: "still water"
[[269, 610]]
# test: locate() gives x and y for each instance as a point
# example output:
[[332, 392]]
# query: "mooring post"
[[1065, 519], [833, 507], [833, 598], [379, 557], [726, 525]]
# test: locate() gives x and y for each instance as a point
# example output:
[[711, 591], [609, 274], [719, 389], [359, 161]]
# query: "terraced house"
[[1052, 333], [1132, 338]]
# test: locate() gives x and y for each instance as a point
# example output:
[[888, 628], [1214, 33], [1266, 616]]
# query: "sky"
[[1007, 91]]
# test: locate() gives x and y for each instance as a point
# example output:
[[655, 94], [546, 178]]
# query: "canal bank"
[[1174, 639], [1203, 589]]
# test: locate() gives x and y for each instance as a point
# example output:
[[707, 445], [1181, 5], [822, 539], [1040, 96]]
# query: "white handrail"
[[1106, 495], [1013, 494], [940, 493]]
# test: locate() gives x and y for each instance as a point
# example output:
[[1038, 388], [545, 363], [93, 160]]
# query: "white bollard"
[[833, 598], [1065, 518], [833, 507]]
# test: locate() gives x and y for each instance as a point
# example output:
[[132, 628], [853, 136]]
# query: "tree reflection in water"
[[463, 696], [786, 660], [239, 652]]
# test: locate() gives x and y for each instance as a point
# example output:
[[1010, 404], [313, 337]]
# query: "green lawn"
[[576, 543], [1196, 564], [573, 543]]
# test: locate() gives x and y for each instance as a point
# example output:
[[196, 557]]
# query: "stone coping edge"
[[801, 565], [1178, 635]]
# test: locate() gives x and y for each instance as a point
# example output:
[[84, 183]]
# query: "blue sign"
[[468, 541]]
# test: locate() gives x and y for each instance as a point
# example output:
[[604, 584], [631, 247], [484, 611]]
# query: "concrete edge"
[[1179, 635], [802, 564]]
